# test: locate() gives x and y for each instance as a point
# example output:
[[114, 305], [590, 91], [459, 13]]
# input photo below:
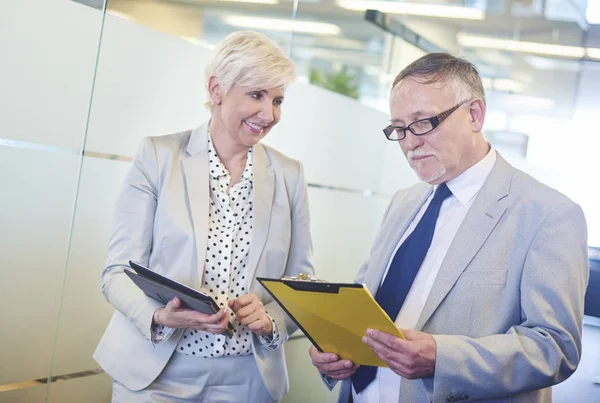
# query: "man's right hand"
[[330, 365], [173, 315]]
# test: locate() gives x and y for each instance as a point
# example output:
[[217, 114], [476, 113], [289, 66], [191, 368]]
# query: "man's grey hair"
[[461, 74]]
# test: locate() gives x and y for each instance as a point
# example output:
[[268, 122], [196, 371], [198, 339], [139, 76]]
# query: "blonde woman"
[[212, 208]]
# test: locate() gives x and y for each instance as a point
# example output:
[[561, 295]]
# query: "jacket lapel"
[[392, 233], [479, 222], [195, 168], [263, 189]]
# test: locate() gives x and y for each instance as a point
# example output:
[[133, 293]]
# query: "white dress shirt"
[[386, 386]]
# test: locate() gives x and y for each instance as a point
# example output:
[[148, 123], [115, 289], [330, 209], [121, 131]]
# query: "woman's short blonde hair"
[[249, 59]]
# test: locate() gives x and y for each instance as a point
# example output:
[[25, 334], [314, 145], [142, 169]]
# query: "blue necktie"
[[402, 272]]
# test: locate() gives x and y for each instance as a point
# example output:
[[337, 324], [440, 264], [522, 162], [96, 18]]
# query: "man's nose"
[[411, 141]]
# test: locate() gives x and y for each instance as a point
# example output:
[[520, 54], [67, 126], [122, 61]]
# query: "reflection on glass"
[[48, 58], [351, 63], [206, 22]]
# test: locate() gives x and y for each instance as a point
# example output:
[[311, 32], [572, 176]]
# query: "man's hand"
[[173, 315], [411, 358], [251, 312], [330, 364]]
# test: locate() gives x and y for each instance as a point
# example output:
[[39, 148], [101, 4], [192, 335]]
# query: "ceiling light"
[[254, 1], [472, 41], [593, 53], [199, 42], [119, 14], [425, 10], [279, 24]]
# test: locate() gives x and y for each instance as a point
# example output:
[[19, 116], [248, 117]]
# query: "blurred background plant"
[[342, 81]]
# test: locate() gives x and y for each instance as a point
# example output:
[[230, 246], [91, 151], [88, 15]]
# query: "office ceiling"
[[542, 84]]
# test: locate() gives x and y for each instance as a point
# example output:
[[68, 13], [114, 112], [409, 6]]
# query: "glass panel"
[[47, 70], [348, 55], [159, 88], [206, 22], [30, 394], [82, 297], [49, 50], [144, 93], [156, 90], [37, 202], [90, 389]]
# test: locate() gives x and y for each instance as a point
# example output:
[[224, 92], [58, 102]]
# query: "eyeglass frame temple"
[[442, 116], [438, 119]]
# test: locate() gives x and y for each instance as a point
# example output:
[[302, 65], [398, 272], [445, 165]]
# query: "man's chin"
[[432, 178]]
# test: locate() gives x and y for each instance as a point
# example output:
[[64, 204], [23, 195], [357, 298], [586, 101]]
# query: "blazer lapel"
[[264, 190], [391, 235], [479, 222], [195, 168]]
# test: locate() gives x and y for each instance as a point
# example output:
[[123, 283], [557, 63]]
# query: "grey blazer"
[[161, 220], [506, 308]]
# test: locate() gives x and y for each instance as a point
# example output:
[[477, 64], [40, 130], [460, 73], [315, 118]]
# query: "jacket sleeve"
[[131, 238], [546, 347]]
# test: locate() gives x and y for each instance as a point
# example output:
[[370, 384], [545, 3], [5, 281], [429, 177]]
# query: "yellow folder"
[[333, 316]]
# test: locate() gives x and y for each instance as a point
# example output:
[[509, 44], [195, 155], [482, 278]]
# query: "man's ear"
[[477, 114], [214, 90]]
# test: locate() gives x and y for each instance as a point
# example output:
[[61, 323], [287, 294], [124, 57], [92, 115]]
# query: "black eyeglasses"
[[419, 127]]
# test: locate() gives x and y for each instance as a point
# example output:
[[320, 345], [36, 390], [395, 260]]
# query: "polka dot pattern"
[[225, 274]]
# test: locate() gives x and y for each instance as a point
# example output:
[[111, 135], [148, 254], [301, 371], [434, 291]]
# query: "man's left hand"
[[251, 312], [411, 358]]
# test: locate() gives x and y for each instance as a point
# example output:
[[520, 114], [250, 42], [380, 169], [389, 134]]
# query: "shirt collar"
[[217, 168], [249, 170], [465, 186]]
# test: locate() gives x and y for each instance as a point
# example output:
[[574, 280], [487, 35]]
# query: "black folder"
[[164, 289]]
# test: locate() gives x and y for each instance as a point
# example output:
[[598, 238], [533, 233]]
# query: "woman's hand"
[[251, 312], [175, 316]]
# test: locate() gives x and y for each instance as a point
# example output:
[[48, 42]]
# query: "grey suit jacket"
[[161, 220], [506, 308]]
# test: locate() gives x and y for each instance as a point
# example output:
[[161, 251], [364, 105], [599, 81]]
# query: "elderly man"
[[482, 267]]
